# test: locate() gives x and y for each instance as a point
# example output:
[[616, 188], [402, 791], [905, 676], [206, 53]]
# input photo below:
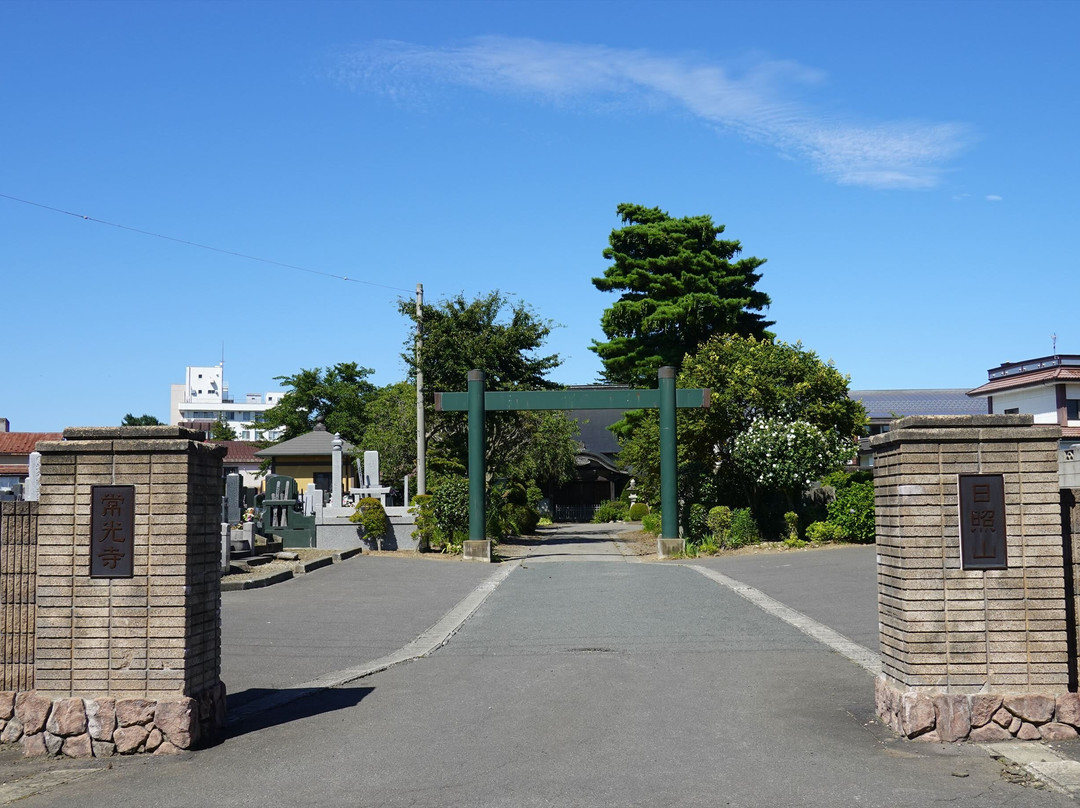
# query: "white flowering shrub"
[[783, 455]]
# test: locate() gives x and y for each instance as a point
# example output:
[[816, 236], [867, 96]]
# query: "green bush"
[[719, 520], [638, 510], [697, 522], [450, 509], [707, 546], [614, 511], [493, 525], [791, 523], [744, 529], [426, 533], [650, 523], [369, 514], [823, 532], [852, 512], [520, 520]]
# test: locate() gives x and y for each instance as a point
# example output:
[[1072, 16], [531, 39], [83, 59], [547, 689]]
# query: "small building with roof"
[[240, 459], [309, 459], [15, 449]]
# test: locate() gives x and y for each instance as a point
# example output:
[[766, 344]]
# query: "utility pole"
[[421, 437]]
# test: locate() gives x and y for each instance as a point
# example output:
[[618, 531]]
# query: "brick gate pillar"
[[979, 653], [131, 663]]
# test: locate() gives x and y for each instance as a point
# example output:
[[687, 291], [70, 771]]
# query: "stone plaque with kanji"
[[112, 531], [982, 522]]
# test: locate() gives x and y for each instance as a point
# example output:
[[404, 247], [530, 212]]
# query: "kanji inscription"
[[983, 544], [112, 531]]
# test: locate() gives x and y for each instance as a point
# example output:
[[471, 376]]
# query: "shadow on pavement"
[[303, 705]]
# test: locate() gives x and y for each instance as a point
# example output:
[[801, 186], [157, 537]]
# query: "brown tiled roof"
[[1039, 377], [23, 443], [239, 451], [17, 469], [1070, 432]]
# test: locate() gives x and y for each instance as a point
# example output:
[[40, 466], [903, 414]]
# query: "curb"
[[1061, 774], [285, 575]]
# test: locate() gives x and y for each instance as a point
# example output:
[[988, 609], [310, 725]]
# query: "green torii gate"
[[477, 402]]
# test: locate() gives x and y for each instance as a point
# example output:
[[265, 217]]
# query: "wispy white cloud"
[[757, 104], [993, 198]]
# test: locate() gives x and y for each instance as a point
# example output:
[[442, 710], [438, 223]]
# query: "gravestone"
[[280, 516], [371, 469], [232, 498]]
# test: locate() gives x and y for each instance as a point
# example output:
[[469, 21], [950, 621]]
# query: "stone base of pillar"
[[670, 548], [88, 727], [939, 717], [476, 550]]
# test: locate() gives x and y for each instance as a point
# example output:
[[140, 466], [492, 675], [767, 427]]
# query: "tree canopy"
[[680, 286], [222, 431], [504, 339], [338, 394], [752, 381], [391, 429], [489, 333], [140, 420]]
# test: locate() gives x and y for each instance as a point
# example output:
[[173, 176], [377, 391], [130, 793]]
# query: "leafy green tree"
[[338, 394], [140, 420], [391, 429], [680, 286], [505, 340], [222, 431], [489, 333], [750, 379]]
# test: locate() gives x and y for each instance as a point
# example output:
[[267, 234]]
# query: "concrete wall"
[[338, 533]]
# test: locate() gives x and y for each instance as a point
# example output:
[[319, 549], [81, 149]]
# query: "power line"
[[204, 246]]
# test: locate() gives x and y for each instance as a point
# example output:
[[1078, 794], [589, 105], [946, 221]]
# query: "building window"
[[1012, 411], [1072, 409]]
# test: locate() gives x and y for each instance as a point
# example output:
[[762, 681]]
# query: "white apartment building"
[[203, 399]]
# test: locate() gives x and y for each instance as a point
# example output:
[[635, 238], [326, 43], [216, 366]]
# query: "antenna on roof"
[[1053, 340]]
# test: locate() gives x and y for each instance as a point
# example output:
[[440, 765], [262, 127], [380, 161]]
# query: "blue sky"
[[908, 170]]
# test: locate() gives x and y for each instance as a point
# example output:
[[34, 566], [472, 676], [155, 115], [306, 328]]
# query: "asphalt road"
[[581, 683]]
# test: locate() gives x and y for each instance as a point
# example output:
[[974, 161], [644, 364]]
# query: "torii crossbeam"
[[477, 402]]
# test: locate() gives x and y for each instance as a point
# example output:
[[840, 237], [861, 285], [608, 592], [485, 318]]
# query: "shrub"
[[638, 510], [791, 523], [650, 523], [426, 533], [822, 532], [795, 542], [450, 508], [719, 520], [707, 546], [520, 519], [697, 518], [610, 512], [852, 512], [369, 514], [744, 529]]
